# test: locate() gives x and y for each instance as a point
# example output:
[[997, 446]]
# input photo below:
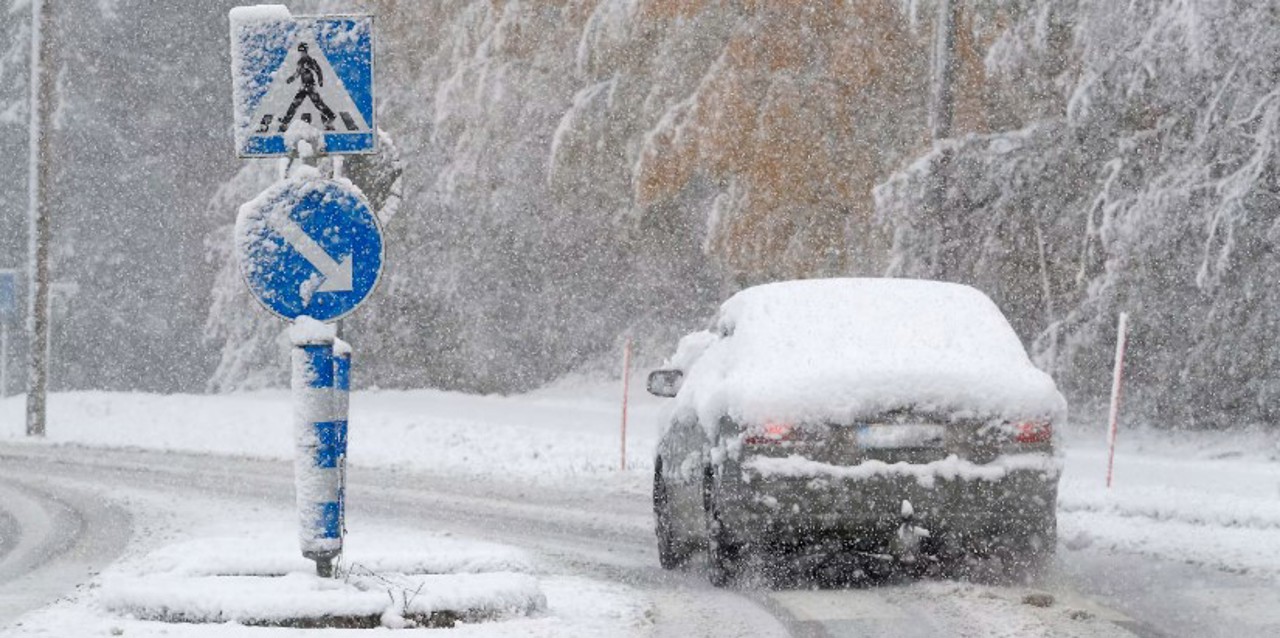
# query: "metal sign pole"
[[4, 360], [8, 309]]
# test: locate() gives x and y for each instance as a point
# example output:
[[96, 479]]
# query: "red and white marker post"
[[1122, 341], [626, 390]]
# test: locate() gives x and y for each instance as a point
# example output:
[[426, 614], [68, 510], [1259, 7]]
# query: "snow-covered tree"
[[1142, 178]]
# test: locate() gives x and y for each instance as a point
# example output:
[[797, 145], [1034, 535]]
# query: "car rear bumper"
[[802, 502]]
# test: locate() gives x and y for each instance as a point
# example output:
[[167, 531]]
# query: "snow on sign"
[[309, 246], [292, 76]]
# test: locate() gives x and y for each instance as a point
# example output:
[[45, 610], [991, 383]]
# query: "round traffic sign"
[[309, 246]]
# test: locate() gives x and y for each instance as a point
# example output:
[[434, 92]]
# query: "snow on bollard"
[[319, 437]]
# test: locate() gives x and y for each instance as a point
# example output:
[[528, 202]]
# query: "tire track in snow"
[[62, 540]]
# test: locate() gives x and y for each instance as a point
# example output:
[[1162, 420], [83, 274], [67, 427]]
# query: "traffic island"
[[249, 583], [305, 600]]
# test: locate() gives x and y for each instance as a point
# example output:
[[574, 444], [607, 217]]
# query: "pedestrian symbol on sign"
[[311, 75], [313, 71], [312, 92]]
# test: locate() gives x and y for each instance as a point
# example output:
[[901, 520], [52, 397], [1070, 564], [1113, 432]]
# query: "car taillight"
[[1032, 432], [772, 434]]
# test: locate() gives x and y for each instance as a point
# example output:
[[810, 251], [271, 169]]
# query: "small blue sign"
[[8, 295], [310, 246], [302, 78]]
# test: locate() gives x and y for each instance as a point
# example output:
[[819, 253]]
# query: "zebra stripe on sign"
[[264, 126]]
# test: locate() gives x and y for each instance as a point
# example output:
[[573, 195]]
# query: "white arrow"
[[337, 275]]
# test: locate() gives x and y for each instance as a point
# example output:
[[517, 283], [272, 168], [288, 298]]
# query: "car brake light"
[[773, 433], [1032, 432]]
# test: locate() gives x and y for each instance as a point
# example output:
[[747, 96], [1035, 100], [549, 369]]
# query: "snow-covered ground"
[[1205, 498], [214, 574], [565, 434], [213, 568], [1208, 499]]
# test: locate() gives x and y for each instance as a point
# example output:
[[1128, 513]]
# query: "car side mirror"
[[665, 383]]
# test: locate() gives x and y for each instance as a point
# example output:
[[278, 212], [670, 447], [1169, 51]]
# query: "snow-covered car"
[[886, 417]]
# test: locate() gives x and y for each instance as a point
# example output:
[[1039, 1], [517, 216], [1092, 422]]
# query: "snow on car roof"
[[841, 349]]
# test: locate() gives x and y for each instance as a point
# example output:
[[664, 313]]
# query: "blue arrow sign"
[[294, 75], [309, 246]]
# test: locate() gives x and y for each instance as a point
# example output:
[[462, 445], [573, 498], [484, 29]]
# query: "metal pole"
[[941, 114], [942, 106], [318, 437], [43, 87], [4, 360]]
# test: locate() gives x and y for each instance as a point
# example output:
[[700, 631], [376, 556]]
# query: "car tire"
[[724, 553], [671, 552], [1027, 553]]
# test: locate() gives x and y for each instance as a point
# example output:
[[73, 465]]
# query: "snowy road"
[[588, 534], [594, 533], [53, 539], [1182, 547]]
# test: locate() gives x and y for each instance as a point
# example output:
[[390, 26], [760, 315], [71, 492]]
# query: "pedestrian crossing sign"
[[301, 78]]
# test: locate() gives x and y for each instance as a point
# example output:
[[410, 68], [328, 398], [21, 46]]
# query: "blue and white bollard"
[[320, 442]]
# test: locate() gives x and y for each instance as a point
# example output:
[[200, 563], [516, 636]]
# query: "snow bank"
[[840, 349], [566, 435], [1204, 498]]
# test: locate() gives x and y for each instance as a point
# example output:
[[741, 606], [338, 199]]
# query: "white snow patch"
[[306, 330], [245, 16], [926, 474], [691, 347]]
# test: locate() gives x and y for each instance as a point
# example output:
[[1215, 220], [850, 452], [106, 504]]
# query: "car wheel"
[[1026, 553], [724, 554], [671, 553]]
